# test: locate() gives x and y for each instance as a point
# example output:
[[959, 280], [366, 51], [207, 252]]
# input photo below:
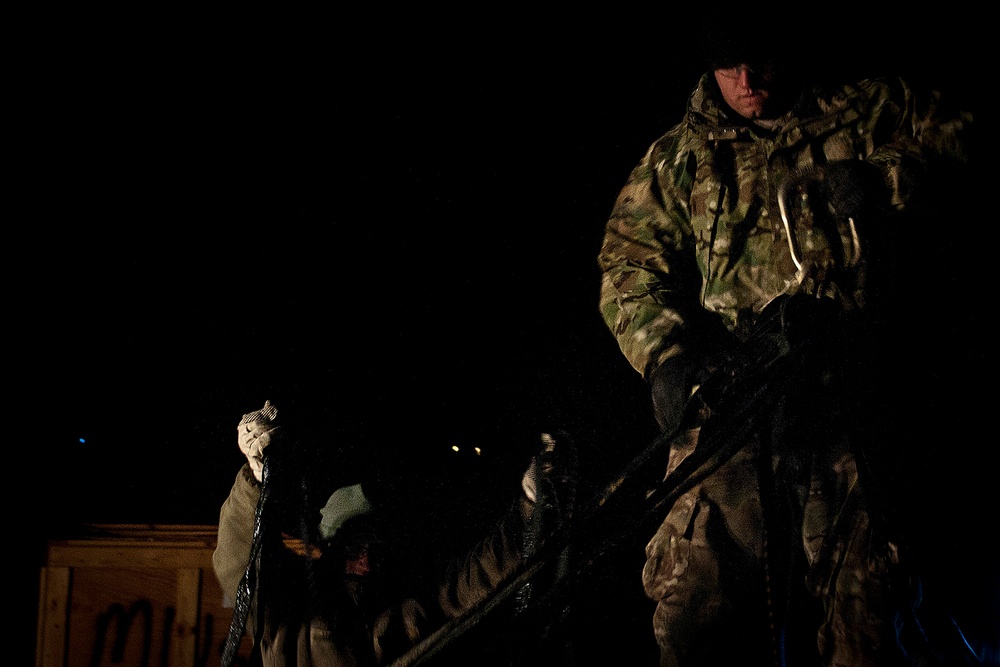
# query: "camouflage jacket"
[[695, 246]]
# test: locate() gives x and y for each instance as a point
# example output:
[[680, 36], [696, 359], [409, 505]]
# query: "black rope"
[[747, 395], [544, 639]]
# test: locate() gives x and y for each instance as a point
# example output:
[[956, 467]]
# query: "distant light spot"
[[478, 450], [454, 448], [82, 441]]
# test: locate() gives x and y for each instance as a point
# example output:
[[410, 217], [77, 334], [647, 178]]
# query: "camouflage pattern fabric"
[[694, 251], [697, 225]]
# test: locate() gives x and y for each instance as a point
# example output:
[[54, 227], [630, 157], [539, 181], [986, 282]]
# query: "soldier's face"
[[356, 562], [746, 89], [358, 568]]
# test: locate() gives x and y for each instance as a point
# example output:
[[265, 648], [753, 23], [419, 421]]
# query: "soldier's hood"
[[707, 115]]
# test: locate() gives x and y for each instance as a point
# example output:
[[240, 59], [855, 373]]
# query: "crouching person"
[[324, 602]]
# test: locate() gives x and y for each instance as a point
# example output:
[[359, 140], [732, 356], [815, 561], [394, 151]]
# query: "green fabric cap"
[[346, 503]]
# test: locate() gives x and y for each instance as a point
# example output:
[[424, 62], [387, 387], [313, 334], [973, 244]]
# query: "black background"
[[392, 222]]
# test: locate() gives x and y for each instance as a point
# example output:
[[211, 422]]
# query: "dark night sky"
[[415, 239], [399, 224], [407, 224]]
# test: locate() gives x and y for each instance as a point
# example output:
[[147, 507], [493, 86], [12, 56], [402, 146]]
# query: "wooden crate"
[[128, 595]]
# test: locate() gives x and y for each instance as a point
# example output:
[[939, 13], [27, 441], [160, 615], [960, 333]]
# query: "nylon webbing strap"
[[248, 583]]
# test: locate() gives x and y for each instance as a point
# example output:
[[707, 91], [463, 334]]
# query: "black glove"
[[672, 384], [854, 188]]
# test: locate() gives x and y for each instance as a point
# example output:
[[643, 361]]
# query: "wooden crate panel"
[[131, 595]]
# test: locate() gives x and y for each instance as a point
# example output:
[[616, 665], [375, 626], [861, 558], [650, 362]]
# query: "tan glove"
[[398, 629], [255, 432]]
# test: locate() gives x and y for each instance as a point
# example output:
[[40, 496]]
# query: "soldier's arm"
[[648, 275], [236, 521]]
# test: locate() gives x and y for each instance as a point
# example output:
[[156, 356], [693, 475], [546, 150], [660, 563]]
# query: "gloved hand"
[[554, 463], [528, 483], [549, 483], [398, 629], [672, 384], [255, 432], [853, 188]]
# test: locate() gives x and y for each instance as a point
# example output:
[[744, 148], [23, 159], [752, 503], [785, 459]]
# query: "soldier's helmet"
[[727, 38]]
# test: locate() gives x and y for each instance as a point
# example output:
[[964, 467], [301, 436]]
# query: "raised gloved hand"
[[255, 432], [552, 469], [672, 384]]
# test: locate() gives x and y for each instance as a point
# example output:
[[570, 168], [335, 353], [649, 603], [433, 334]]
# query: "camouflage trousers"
[[772, 557]]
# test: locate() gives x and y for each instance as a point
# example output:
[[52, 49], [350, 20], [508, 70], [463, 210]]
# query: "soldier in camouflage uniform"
[[695, 251], [315, 606]]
